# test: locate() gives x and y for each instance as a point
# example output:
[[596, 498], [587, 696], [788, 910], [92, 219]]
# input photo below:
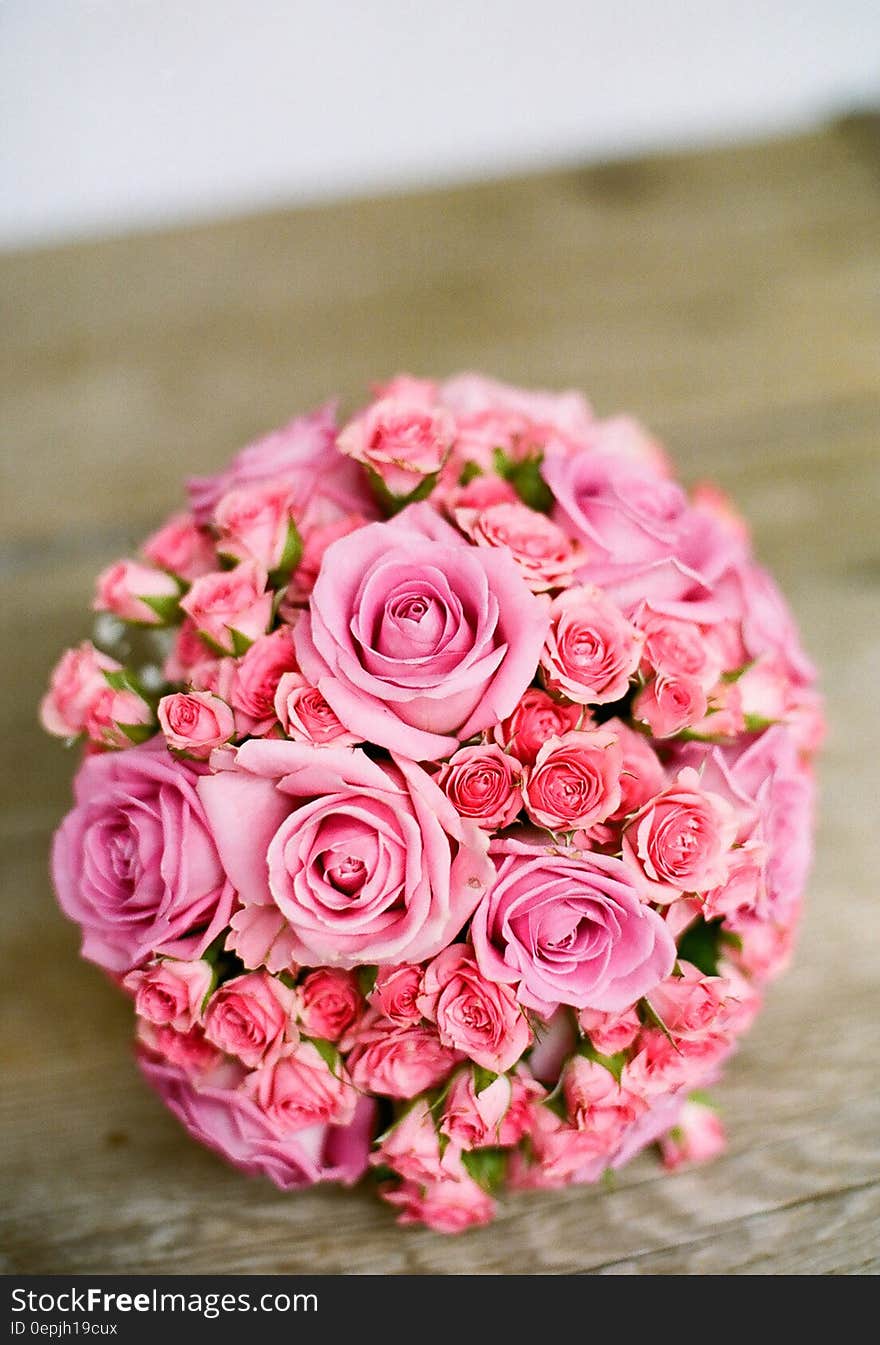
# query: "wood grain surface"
[[732, 300]]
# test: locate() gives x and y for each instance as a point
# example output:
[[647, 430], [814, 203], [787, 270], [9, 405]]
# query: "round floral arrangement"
[[446, 798]]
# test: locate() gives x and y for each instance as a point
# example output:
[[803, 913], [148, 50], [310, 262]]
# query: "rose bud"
[[136, 592], [195, 722]]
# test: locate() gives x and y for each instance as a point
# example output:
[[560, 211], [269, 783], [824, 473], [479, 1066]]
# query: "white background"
[[125, 113]]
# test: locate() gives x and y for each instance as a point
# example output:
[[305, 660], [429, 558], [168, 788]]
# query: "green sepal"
[[555, 1102], [137, 733], [469, 472], [649, 1014], [286, 979], [734, 674], [120, 679], [482, 1079], [613, 1063], [290, 557], [366, 979], [486, 1166], [167, 608], [526, 479], [210, 643], [240, 643], [392, 504], [757, 723], [327, 1050]]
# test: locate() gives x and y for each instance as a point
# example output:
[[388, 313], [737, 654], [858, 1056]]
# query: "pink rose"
[[485, 784], [401, 439], [661, 1065], [303, 455], [360, 862], [305, 716], [560, 1155], [575, 780], [396, 991], [597, 1103], [447, 1206], [169, 992], [569, 928], [77, 683], [669, 704], [250, 1017], [697, 1137], [498, 1115], [190, 1051], [229, 1122], [473, 1015], [536, 719], [679, 650], [230, 606], [479, 494], [642, 774], [182, 548], [679, 841], [411, 1148], [328, 1003], [768, 626], [188, 651], [417, 640], [521, 421], [545, 556], [662, 1113], [691, 1003], [610, 1033], [195, 722], [396, 1061], [119, 718], [298, 1090], [136, 592], [257, 523], [592, 650], [257, 677], [766, 948], [134, 863]]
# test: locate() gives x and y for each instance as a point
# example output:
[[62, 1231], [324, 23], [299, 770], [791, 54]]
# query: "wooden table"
[[732, 300]]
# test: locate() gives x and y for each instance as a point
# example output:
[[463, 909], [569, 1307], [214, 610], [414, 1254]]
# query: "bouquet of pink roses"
[[446, 798]]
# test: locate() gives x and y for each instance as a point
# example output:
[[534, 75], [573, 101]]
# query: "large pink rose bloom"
[[343, 860], [229, 1122], [417, 640], [569, 928], [134, 863]]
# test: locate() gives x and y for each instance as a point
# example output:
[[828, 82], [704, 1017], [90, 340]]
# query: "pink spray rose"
[[417, 640], [411, 1148], [169, 992], [401, 438], [591, 650], [596, 1102], [190, 1050], [396, 993], [250, 1017], [697, 1137], [484, 784], [473, 1015], [575, 780], [229, 603], [76, 685], [669, 704], [355, 861], [559, 1155], [195, 722], [136, 592], [248, 1137], [691, 1004], [256, 679], [396, 1061], [298, 1089], [610, 1032], [662, 1113], [473, 1119], [328, 1003], [679, 649], [536, 718], [305, 716], [569, 928], [520, 421], [257, 523], [449, 1205], [182, 548], [135, 864], [545, 556], [119, 718], [642, 774], [679, 841]]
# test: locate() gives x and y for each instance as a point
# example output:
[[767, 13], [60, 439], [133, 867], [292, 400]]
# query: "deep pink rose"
[[610, 1032], [230, 1123], [76, 685], [190, 1051], [298, 1089], [416, 639], [257, 523], [473, 1015], [498, 1115], [195, 722], [669, 704], [396, 993], [575, 780], [591, 650], [569, 928], [484, 784], [596, 1102], [680, 840], [402, 439], [256, 679], [135, 864], [536, 718], [384, 1057], [559, 1154], [229, 603], [642, 774], [357, 861], [181, 547], [697, 1137], [328, 1003], [447, 1206], [250, 1017], [169, 992], [545, 556], [411, 1148], [305, 716], [136, 592]]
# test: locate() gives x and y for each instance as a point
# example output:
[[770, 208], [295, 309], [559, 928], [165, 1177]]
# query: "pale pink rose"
[[384, 1057], [119, 718], [625, 437], [744, 999], [569, 928], [663, 1111], [328, 1003], [575, 780], [169, 992], [76, 684], [743, 892], [697, 1137], [473, 1015], [680, 840], [536, 719], [710, 499], [560, 1155], [181, 547], [768, 626], [315, 543], [591, 650], [251, 1017], [360, 861], [485, 784], [411, 1148], [401, 439], [297, 1089], [229, 1122], [257, 523], [471, 1119], [642, 774], [256, 679], [447, 1206], [305, 716], [597, 1103], [190, 1051], [135, 864], [669, 704], [546, 558], [195, 722], [610, 1033], [188, 651], [416, 639], [766, 948], [691, 1003], [678, 649], [229, 604], [765, 689], [301, 454], [261, 938], [396, 991], [136, 592]]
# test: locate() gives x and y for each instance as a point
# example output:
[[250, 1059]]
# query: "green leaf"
[[486, 1166], [119, 679], [137, 733], [327, 1050], [469, 472], [482, 1079], [613, 1063], [757, 723], [366, 979], [734, 674], [240, 643], [167, 608], [701, 945]]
